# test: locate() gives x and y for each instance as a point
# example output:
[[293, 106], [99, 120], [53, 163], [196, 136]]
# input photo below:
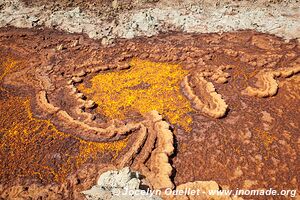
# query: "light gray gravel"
[[281, 20]]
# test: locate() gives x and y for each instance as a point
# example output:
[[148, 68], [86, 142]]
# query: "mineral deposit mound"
[[151, 94]]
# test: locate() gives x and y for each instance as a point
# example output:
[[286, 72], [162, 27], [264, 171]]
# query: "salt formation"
[[151, 151], [267, 84], [217, 106], [113, 185]]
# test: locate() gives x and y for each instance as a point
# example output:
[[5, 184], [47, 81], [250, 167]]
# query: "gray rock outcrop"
[[119, 185]]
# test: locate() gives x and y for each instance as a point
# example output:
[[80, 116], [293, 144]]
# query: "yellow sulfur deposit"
[[24, 136], [146, 86], [7, 66], [34, 147]]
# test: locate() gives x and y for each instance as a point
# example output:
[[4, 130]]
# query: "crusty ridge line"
[[219, 107], [267, 84], [151, 151], [86, 131]]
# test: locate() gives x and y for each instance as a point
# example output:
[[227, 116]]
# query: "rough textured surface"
[[143, 87], [107, 20], [160, 170], [267, 84], [213, 105], [204, 187], [112, 185], [254, 145]]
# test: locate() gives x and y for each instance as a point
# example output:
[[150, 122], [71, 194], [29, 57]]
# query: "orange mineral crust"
[[182, 109]]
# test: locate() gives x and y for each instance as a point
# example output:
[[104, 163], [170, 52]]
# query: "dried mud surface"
[[56, 137]]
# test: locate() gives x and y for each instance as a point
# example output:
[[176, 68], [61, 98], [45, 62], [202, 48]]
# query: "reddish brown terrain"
[[237, 103]]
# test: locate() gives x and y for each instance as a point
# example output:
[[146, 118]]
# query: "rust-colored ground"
[[255, 145]]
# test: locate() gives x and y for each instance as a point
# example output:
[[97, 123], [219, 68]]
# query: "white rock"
[[112, 185]]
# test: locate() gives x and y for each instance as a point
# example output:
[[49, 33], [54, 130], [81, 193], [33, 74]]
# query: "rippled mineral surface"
[[179, 108], [253, 144]]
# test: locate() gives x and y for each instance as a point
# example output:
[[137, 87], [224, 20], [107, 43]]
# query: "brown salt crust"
[[19, 79], [76, 79], [86, 132], [218, 75], [123, 66], [161, 169], [221, 76], [135, 148], [81, 73], [204, 187], [219, 107], [145, 155], [80, 110], [71, 188], [44, 80], [188, 174], [154, 142], [267, 84], [148, 147], [43, 103]]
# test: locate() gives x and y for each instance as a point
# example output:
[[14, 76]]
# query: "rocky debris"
[[90, 104], [198, 18], [60, 47], [77, 79], [81, 73], [112, 185], [131, 154]]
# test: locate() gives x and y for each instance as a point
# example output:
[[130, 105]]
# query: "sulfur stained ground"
[[254, 146], [23, 135], [146, 86]]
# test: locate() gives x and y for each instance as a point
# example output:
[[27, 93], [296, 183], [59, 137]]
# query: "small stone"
[[60, 47], [221, 80], [70, 82], [80, 95], [76, 79], [81, 73], [115, 4], [89, 104], [101, 68], [74, 90], [75, 43], [123, 66], [133, 184], [107, 41]]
